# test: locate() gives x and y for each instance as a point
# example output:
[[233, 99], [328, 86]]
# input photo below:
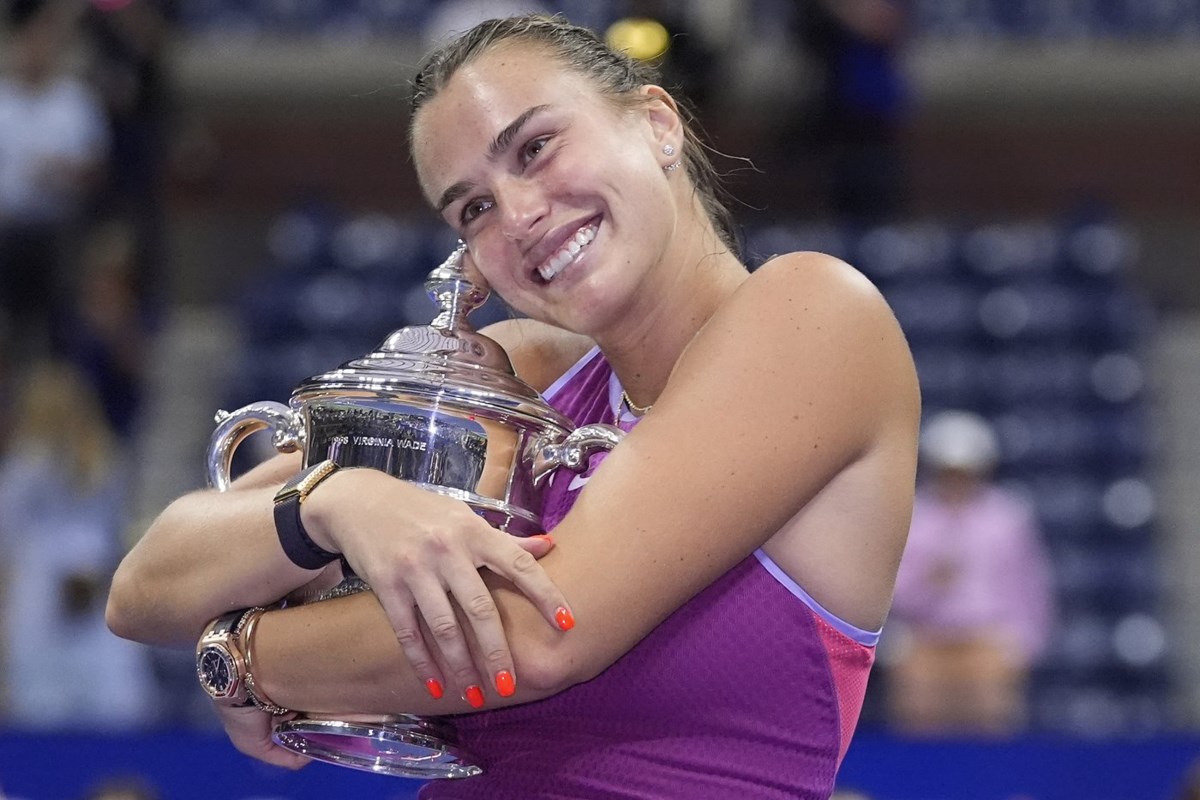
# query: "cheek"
[[493, 257]]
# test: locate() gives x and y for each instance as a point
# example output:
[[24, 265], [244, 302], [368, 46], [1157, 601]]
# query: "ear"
[[666, 123]]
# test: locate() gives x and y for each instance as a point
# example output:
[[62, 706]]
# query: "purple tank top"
[[750, 690]]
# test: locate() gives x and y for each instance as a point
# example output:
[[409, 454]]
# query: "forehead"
[[481, 99]]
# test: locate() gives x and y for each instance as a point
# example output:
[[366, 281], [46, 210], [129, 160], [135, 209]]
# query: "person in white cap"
[[974, 598]]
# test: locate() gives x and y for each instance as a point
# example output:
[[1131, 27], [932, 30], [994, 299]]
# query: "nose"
[[522, 204]]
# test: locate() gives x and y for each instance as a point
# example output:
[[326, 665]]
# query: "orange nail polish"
[[547, 537], [435, 688], [505, 685], [564, 618], [474, 696]]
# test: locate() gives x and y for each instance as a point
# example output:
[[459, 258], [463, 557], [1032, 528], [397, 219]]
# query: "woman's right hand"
[[250, 729], [420, 552]]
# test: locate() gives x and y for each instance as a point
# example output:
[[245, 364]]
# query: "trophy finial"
[[449, 287]]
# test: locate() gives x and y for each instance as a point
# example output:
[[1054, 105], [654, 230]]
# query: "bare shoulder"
[[540, 353], [825, 282], [809, 360], [787, 424], [804, 316]]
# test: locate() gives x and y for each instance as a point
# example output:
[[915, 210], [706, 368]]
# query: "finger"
[[250, 730], [446, 633], [513, 559], [400, 607], [537, 545], [489, 642]]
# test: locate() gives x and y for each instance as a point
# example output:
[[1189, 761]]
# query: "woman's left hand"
[[420, 552], [249, 729]]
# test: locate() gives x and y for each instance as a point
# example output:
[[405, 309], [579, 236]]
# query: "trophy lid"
[[446, 362]]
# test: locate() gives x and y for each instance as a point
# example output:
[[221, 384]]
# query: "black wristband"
[[297, 544]]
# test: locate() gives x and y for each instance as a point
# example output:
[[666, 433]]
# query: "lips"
[[568, 252]]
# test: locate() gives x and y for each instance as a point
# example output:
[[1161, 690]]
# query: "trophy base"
[[402, 746]]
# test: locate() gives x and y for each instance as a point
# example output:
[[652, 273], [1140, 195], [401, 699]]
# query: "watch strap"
[[299, 547]]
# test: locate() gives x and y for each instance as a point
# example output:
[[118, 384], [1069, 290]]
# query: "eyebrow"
[[502, 142]]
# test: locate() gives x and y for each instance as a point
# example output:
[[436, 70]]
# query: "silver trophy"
[[440, 406]]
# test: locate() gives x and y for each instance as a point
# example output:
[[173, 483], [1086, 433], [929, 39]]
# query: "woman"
[[706, 620]]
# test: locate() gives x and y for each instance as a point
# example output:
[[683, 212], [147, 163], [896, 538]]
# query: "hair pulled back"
[[616, 74]]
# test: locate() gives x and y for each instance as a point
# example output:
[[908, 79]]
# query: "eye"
[[473, 209], [534, 146]]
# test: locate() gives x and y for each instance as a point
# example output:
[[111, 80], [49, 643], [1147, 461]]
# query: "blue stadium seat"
[[1040, 374], [1034, 310], [950, 376], [1004, 253], [904, 252], [1069, 504], [764, 242], [935, 310]]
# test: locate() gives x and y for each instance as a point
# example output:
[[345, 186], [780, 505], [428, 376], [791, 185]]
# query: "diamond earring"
[[669, 150]]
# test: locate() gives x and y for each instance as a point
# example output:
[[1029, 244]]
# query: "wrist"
[[224, 662], [295, 539], [319, 509]]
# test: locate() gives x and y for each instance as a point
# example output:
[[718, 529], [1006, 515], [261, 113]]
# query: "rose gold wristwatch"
[[223, 661]]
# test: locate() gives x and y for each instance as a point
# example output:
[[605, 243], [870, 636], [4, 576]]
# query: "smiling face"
[[559, 193]]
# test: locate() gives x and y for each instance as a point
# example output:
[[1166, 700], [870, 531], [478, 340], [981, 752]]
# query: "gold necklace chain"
[[636, 409]]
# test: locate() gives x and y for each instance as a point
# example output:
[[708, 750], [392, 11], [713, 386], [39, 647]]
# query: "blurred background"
[[203, 202]]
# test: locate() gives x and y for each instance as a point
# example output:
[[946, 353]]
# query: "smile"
[[569, 252]]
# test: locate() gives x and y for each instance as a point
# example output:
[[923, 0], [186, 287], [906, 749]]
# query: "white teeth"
[[556, 263]]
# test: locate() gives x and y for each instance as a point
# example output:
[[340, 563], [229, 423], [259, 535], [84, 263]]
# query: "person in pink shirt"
[[974, 597]]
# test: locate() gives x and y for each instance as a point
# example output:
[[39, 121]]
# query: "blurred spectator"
[[849, 794], [53, 139], [129, 787], [973, 602], [1189, 789], [129, 41], [62, 491], [853, 123], [104, 330]]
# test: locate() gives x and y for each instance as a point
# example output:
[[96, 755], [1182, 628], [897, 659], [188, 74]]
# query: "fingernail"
[[435, 688], [505, 685], [474, 696], [564, 618], [545, 536]]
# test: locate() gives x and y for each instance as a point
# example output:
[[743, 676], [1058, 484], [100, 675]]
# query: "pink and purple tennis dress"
[[749, 691]]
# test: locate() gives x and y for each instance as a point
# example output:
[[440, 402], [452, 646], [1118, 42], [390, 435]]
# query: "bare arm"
[[802, 378], [209, 552]]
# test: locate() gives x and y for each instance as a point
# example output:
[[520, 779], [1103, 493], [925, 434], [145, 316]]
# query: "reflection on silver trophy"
[[440, 406]]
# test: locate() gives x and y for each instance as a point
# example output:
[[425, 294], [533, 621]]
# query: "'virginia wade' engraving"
[[380, 441]]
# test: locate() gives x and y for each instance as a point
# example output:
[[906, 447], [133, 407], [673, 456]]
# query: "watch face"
[[216, 671]]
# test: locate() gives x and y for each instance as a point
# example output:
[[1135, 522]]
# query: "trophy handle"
[[574, 451], [233, 428]]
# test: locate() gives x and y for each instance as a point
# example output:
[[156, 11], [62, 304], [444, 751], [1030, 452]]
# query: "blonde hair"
[[58, 410]]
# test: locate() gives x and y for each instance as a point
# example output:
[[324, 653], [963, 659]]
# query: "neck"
[[679, 296]]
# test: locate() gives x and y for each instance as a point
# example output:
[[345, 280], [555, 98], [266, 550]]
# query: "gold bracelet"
[[246, 632]]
